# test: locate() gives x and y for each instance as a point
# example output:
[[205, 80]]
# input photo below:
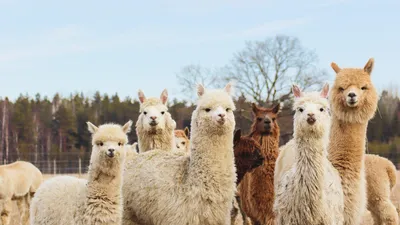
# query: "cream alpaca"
[[353, 100], [310, 192], [97, 201], [381, 178], [162, 187], [155, 127], [18, 181]]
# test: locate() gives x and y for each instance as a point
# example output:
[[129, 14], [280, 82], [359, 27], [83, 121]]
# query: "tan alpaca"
[[353, 100], [18, 181], [182, 140], [381, 178]]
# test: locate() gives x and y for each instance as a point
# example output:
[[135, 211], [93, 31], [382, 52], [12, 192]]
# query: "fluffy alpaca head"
[[353, 96], [214, 112], [265, 122], [108, 141], [312, 113], [154, 112], [247, 154], [182, 139]]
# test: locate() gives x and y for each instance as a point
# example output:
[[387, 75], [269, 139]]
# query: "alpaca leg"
[[27, 201], [22, 209], [6, 213], [376, 219]]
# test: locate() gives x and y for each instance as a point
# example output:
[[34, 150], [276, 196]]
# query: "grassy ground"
[[367, 217]]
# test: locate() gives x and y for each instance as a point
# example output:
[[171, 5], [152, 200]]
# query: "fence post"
[[54, 166], [80, 167]]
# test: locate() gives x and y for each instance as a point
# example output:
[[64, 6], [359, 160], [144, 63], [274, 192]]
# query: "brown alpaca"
[[353, 100], [247, 157], [182, 139], [381, 178], [257, 187]]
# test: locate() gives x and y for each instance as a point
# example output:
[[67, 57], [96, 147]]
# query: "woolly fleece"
[[172, 187], [97, 201]]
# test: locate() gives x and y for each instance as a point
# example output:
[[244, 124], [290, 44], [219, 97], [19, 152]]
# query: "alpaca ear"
[[164, 96], [228, 88], [325, 90], [278, 108], [134, 146], [254, 107], [369, 66], [237, 135], [142, 98], [335, 67], [127, 127], [91, 127], [187, 132], [200, 90], [296, 91]]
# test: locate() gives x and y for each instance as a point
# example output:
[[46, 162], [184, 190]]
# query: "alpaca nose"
[[110, 152], [352, 95], [310, 114], [267, 121], [153, 117], [221, 115]]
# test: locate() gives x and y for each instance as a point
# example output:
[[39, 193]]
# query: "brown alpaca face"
[[265, 118], [353, 96]]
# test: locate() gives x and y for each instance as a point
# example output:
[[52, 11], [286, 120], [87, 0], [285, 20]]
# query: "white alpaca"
[[18, 181], [155, 126], [311, 191], [97, 201], [172, 187]]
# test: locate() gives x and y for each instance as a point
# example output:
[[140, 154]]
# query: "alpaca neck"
[[269, 145], [309, 171], [157, 139], [347, 145], [102, 178], [211, 160]]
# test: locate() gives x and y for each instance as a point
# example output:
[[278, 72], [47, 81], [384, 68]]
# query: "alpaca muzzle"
[[311, 120]]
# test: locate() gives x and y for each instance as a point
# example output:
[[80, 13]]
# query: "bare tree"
[[266, 69], [192, 75]]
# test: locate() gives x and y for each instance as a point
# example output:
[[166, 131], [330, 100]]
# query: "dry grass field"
[[367, 217]]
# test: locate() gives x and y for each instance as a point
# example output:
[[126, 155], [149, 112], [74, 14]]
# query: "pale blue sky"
[[121, 46]]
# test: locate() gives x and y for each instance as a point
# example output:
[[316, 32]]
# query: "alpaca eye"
[[119, 143], [259, 119], [341, 89], [273, 119], [228, 109], [162, 112], [100, 143], [321, 109], [364, 88], [183, 142], [301, 109], [144, 112], [208, 109]]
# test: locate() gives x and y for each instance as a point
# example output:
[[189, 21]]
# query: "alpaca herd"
[[214, 175]]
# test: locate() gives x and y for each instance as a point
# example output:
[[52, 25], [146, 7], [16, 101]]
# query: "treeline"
[[43, 130]]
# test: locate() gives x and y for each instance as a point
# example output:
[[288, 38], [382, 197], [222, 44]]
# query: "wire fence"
[[64, 163]]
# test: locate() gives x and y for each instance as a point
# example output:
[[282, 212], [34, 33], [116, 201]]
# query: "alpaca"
[[247, 157], [311, 191], [247, 154], [353, 100], [98, 201], [18, 181], [381, 178], [257, 187], [155, 126], [182, 139], [173, 187]]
